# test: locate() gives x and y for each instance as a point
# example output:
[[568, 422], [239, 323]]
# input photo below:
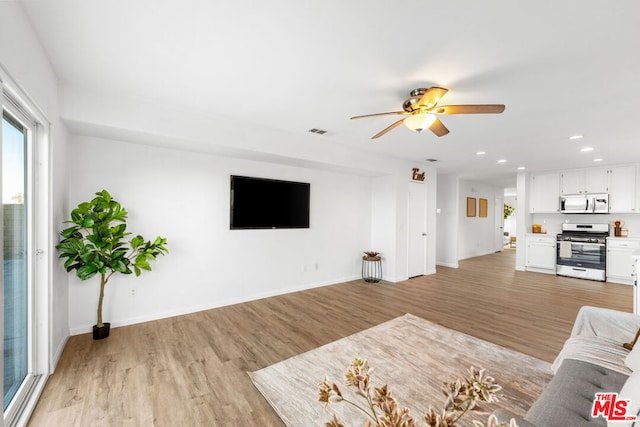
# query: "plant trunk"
[[103, 281]]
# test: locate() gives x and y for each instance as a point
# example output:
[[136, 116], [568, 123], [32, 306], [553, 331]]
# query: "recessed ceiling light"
[[521, 168], [481, 153], [586, 149], [502, 161], [576, 137], [598, 159]]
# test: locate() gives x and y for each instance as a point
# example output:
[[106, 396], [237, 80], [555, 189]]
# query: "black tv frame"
[[295, 221]]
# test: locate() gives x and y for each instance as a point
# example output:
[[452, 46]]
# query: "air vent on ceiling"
[[431, 160], [318, 131]]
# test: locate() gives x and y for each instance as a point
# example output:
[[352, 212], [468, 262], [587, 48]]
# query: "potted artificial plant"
[[95, 245]]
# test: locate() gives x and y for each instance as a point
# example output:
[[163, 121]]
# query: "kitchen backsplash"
[[552, 222]]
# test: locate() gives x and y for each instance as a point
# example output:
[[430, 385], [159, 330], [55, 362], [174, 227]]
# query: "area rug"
[[414, 357]]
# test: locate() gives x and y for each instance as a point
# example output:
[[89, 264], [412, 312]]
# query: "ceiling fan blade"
[[438, 128], [431, 97], [387, 129], [379, 114], [470, 109]]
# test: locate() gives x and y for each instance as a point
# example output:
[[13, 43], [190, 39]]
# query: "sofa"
[[593, 360]]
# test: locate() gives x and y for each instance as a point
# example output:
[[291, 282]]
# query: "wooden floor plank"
[[191, 370]]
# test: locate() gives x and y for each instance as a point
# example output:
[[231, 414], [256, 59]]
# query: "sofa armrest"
[[505, 416], [601, 322]]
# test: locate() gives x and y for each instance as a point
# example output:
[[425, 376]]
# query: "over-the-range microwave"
[[584, 203]]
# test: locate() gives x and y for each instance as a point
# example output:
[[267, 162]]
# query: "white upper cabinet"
[[545, 193], [596, 180], [572, 181], [583, 181], [623, 189], [622, 183]]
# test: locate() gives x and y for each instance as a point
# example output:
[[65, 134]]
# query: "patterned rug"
[[413, 356]]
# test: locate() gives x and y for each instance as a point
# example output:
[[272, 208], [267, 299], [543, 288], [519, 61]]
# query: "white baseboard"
[[55, 357], [540, 270], [448, 264], [83, 329]]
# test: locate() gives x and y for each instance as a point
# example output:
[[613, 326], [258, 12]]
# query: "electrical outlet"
[[317, 266], [132, 292]]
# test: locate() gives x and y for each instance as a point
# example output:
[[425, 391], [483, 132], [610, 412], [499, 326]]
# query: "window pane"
[[14, 172]]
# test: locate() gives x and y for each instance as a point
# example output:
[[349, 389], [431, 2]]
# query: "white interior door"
[[417, 229]]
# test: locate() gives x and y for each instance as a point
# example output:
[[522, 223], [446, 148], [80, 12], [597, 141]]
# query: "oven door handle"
[[575, 242]]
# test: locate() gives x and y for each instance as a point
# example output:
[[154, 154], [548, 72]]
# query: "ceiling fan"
[[422, 107]]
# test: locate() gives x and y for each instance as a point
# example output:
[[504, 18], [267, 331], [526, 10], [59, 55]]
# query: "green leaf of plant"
[[69, 262], [95, 244], [89, 257], [76, 216], [119, 266], [137, 241], [105, 195], [69, 232], [143, 263], [70, 246], [87, 271]]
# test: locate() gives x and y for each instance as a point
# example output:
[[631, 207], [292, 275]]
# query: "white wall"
[[23, 58], [458, 236], [184, 196], [476, 235], [340, 174], [523, 219], [383, 223], [447, 218]]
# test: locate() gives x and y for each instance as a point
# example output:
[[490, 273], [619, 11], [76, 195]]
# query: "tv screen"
[[268, 203]]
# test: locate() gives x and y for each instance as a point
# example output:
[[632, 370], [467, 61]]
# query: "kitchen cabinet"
[[544, 195], [541, 253], [620, 259], [623, 189], [583, 181]]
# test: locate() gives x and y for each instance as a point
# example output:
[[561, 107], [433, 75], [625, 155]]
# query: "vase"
[[100, 333]]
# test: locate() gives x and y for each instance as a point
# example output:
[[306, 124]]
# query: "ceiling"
[[561, 68]]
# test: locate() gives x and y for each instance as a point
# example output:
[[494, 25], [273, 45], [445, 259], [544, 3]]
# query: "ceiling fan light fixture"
[[419, 122]]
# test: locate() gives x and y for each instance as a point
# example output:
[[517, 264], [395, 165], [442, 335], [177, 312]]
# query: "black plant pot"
[[101, 333]]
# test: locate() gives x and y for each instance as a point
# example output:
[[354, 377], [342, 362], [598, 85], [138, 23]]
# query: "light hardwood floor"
[[191, 370]]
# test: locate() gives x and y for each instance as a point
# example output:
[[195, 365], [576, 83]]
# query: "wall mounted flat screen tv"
[[268, 203]]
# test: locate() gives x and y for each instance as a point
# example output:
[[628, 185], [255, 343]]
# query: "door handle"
[[424, 234]]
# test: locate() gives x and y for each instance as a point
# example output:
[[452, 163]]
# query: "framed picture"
[[471, 206], [483, 208]]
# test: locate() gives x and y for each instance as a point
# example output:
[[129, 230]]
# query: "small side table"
[[372, 268]]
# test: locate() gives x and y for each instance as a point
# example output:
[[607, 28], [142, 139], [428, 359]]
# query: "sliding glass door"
[[16, 247], [26, 247]]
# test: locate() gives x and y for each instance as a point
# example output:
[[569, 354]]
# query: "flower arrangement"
[[382, 410]]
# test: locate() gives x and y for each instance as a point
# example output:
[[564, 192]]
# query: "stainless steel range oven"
[[582, 251]]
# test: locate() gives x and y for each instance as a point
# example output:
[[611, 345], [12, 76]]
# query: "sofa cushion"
[[568, 398], [599, 350]]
